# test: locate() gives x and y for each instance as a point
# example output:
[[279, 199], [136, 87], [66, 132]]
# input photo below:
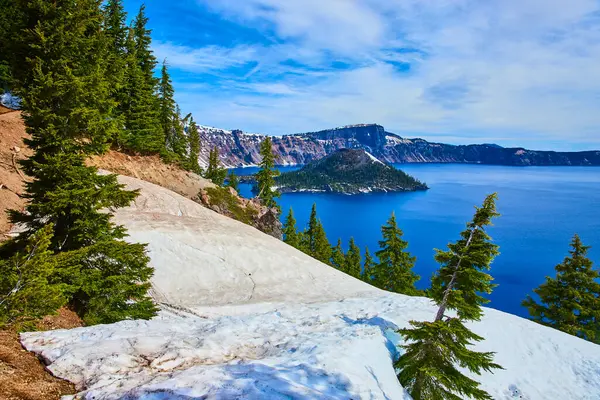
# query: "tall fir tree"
[[570, 302], [394, 271], [194, 148], [314, 240], [169, 115], [10, 25], [429, 367], [233, 181], [338, 258], [143, 132], [116, 32], [368, 267], [265, 177], [353, 260], [214, 171], [290, 231], [60, 69]]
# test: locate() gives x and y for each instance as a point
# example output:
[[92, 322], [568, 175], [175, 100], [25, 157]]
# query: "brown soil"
[[22, 375]]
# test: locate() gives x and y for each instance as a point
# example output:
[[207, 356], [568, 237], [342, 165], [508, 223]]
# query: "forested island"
[[348, 171]]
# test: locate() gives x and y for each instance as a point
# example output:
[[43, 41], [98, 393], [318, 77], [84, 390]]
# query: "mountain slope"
[[240, 149], [245, 316], [348, 171]]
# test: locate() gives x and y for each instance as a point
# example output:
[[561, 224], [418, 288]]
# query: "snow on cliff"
[[247, 317]]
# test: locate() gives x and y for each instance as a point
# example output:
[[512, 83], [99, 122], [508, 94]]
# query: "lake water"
[[541, 207]]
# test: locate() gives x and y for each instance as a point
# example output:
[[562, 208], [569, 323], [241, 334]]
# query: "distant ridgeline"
[[240, 149], [348, 171]]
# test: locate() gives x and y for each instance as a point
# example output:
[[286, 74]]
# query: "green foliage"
[[215, 172], [462, 277], [265, 177], [10, 26], [368, 268], [428, 368], [394, 271], [338, 259], [570, 302], [230, 204], [290, 232], [170, 117], [314, 240], [194, 144], [233, 181], [434, 350], [347, 171], [27, 290], [353, 260], [60, 74]]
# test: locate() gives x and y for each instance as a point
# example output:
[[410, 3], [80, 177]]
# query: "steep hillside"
[[239, 149], [246, 316], [347, 171]]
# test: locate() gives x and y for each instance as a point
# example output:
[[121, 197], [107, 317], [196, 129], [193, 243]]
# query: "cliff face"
[[241, 149]]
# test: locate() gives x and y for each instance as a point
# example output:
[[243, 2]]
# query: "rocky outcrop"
[[241, 149]]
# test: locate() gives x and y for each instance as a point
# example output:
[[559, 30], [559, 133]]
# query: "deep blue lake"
[[541, 207]]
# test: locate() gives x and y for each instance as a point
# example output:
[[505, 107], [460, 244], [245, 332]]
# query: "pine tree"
[[215, 172], [169, 116], [314, 240], [570, 302], [60, 74], [194, 145], [353, 260], [27, 291], [435, 350], [233, 181], [143, 132], [10, 25], [265, 178], [290, 232], [116, 32], [143, 52], [338, 259], [394, 270], [369, 267]]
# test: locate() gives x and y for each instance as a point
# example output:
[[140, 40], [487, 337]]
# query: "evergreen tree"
[[179, 142], [143, 132], [314, 240], [353, 260], [394, 270], [290, 232], [215, 172], [435, 350], [27, 291], [571, 301], [265, 178], [369, 267], [60, 72], [116, 32], [169, 116], [10, 26], [194, 145], [233, 181], [338, 259], [143, 52]]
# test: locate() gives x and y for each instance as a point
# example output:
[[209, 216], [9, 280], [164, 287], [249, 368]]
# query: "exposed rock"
[[242, 149]]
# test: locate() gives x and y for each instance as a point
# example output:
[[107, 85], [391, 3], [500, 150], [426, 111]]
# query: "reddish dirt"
[[22, 375]]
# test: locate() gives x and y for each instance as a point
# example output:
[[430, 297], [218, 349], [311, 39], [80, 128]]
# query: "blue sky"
[[512, 72]]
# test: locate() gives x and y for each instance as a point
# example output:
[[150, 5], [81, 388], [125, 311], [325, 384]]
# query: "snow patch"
[[372, 157]]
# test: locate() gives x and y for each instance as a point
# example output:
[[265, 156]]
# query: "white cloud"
[[524, 71]]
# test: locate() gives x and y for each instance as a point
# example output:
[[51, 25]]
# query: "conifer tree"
[[143, 52], [169, 116], [435, 350], [394, 271], [27, 290], [369, 267], [143, 132], [215, 172], [353, 260], [60, 74], [265, 178], [338, 259], [314, 239], [233, 181], [570, 302], [290, 232], [194, 145]]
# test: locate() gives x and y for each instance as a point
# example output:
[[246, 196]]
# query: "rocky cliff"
[[241, 149]]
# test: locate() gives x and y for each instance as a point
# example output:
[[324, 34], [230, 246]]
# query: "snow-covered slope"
[[247, 317]]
